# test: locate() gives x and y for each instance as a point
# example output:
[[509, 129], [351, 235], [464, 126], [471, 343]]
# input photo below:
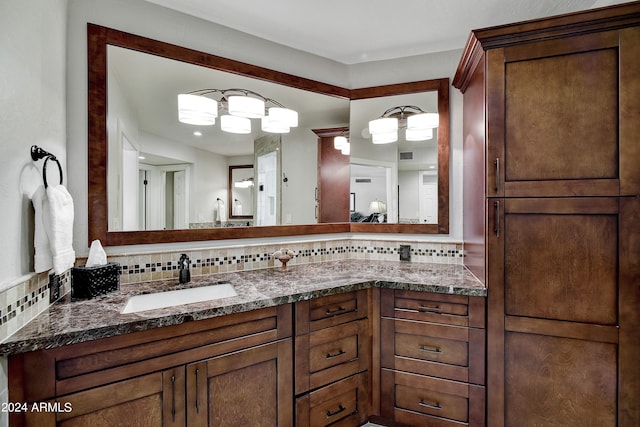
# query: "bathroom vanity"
[[310, 346]]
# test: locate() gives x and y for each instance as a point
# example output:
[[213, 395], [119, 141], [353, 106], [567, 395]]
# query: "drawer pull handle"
[[435, 405], [332, 355], [197, 393], [429, 349], [337, 310], [173, 397], [333, 414], [430, 308]]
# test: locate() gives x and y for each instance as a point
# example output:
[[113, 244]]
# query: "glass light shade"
[[245, 183], [284, 115], [197, 110], [384, 138], [377, 207], [339, 142], [423, 121], [383, 125], [418, 134], [245, 106], [274, 126], [235, 124], [346, 149]]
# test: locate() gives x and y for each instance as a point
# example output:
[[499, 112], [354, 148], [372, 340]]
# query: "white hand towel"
[[42, 259], [58, 222], [221, 212]]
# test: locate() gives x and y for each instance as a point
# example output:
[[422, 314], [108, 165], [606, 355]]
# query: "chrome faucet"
[[183, 268]]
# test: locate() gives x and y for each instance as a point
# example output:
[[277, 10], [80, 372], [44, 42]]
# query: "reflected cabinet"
[[551, 210]]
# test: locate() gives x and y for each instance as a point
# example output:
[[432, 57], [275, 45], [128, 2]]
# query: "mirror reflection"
[[132, 113], [167, 174], [241, 192], [394, 174]]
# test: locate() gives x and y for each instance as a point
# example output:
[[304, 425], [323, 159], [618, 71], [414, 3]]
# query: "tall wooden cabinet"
[[551, 214], [332, 194]]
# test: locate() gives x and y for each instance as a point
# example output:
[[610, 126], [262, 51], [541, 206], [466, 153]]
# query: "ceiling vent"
[[407, 155], [363, 180]]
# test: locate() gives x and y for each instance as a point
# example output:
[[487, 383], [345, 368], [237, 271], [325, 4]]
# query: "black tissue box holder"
[[90, 282]]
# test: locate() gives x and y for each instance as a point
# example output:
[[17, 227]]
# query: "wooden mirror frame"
[[230, 201], [442, 86], [98, 38]]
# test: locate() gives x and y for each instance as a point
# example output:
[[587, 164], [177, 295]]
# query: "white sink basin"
[[179, 297]]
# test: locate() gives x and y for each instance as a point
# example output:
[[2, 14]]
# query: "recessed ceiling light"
[[197, 133]]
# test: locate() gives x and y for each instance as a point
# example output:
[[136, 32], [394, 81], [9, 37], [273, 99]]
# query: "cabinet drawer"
[[331, 354], [343, 403], [460, 310], [419, 400], [428, 343], [444, 351], [330, 311]]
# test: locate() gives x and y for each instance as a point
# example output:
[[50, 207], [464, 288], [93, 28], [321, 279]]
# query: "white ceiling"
[[355, 31]]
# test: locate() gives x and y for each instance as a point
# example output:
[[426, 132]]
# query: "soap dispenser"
[[183, 268]]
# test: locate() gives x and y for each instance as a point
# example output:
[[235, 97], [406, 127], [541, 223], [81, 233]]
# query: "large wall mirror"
[[400, 184], [153, 179]]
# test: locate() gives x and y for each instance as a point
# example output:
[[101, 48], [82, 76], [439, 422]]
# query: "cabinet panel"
[[555, 255], [151, 400], [554, 96], [343, 403], [557, 381], [419, 400], [249, 387]]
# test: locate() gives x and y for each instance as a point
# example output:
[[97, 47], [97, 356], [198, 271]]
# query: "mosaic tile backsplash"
[[149, 267]]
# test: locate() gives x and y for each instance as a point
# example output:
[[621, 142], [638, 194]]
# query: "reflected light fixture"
[[341, 142], [245, 183], [417, 124], [237, 107], [377, 207]]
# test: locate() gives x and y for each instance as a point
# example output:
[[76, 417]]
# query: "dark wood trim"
[[585, 22], [629, 316]]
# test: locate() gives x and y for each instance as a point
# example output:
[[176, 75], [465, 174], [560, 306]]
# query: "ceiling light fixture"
[[417, 123], [237, 106]]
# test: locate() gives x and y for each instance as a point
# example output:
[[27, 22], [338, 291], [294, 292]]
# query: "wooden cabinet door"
[[563, 117], [150, 400], [333, 178], [248, 387], [560, 343]]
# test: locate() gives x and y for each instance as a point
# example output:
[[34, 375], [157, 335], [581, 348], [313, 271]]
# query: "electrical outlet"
[[405, 252], [54, 288]]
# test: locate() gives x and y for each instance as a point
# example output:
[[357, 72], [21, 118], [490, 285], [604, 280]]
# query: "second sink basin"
[[183, 296]]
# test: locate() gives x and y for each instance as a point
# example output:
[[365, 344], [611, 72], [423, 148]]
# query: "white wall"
[[32, 111]]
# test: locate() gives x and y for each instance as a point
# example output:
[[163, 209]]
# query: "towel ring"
[[38, 153], [44, 169]]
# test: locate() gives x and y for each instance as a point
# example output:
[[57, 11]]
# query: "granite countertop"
[[67, 322]]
